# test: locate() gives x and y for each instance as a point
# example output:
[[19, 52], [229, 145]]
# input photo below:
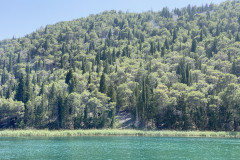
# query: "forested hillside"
[[169, 69]]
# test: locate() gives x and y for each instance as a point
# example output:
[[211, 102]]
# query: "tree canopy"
[[169, 69]]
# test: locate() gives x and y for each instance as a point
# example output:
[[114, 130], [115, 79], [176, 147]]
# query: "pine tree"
[[110, 34], [163, 51], [28, 89], [158, 46], [188, 75], [9, 92], [29, 114], [201, 35], [64, 48], [103, 84], [63, 111], [114, 55], [52, 93], [194, 45], [112, 116], [38, 113], [3, 77], [214, 46], [85, 118], [166, 44], [140, 46], [69, 76], [237, 38], [143, 101], [234, 67], [106, 67], [93, 66], [19, 58], [98, 57], [174, 35], [111, 93], [10, 63], [42, 90], [72, 85], [217, 31], [61, 62], [152, 48], [89, 78], [84, 66], [20, 89], [85, 38]]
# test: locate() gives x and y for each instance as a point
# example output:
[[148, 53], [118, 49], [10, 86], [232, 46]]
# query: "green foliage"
[[169, 70]]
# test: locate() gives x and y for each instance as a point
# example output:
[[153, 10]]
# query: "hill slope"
[[169, 70]]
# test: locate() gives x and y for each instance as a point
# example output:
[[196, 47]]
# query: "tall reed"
[[116, 132]]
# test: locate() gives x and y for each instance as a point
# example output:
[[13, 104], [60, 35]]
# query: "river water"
[[118, 148]]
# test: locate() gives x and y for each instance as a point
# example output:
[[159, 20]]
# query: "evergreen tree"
[[158, 46], [103, 84], [194, 45], [72, 85], [85, 118], [10, 63], [89, 78], [234, 67], [3, 77], [9, 92], [20, 89], [42, 90], [214, 46], [114, 55], [110, 34], [27, 89], [163, 51], [201, 35], [19, 58], [38, 114], [111, 93], [152, 48], [237, 38], [84, 66], [166, 44], [113, 112], [106, 67], [174, 35], [63, 111], [217, 31], [69, 76]]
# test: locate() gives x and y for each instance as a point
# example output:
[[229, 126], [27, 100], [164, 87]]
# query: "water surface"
[[118, 148]]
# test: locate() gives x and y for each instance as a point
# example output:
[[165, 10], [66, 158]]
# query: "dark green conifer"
[[194, 45], [166, 44], [111, 93], [163, 51], [20, 89], [19, 58], [103, 84], [69, 76]]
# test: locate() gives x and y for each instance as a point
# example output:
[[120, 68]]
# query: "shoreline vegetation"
[[116, 132]]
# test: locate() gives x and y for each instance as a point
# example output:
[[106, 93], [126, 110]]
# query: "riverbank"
[[116, 132]]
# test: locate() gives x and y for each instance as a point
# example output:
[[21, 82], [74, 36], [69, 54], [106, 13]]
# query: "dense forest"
[[169, 70]]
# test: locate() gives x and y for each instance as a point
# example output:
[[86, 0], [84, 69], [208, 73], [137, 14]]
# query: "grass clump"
[[115, 132]]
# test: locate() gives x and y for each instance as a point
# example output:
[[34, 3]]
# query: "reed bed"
[[115, 132]]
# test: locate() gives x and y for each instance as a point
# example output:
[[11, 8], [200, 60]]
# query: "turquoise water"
[[118, 148]]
